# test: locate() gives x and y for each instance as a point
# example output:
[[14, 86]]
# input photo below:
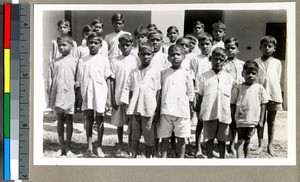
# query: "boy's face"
[[125, 47], [156, 41], [86, 34], [217, 61], [205, 47], [198, 30], [140, 38], [231, 50], [118, 25], [64, 47], [63, 29], [94, 45], [185, 44], [172, 35], [176, 57], [267, 48], [145, 56], [192, 44], [98, 28], [250, 76], [218, 34]]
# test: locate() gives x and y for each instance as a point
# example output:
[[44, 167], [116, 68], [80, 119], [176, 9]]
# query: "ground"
[[79, 146]]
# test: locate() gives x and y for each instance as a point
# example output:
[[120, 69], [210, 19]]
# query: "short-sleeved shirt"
[[217, 44], [269, 75], [121, 67], [186, 63], [112, 40], [93, 70], [248, 100], [62, 75], [56, 54], [177, 91], [235, 68], [160, 61], [199, 64], [144, 85], [216, 92]]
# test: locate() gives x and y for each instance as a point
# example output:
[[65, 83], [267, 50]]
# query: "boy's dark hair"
[[204, 37], [232, 40], [175, 47], [86, 28], [97, 20], [141, 30], [155, 32], [198, 23], [172, 28], [192, 37], [66, 38], [152, 25], [182, 38], [145, 45], [250, 66], [219, 51], [63, 21], [97, 35], [118, 17], [268, 39], [126, 37], [219, 25]]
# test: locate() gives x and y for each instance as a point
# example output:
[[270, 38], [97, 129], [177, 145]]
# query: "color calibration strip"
[[6, 114], [14, 92]]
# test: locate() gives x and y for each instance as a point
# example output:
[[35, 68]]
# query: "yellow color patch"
[[6, 70]]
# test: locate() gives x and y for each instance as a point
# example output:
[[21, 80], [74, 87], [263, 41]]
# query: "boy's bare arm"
[[113, 92], [197, 104], [233, 109], [262, 115], [158, 101]]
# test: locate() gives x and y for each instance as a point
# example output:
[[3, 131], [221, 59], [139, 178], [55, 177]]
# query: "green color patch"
[[6, 124]]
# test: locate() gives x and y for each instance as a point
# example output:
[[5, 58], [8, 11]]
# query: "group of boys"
[[156, 88]]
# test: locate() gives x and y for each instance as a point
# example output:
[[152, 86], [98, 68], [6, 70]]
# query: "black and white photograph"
[[155, 83]]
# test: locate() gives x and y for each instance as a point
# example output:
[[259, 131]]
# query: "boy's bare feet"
[[100, 153], [270, 150], [199, 155], [215, 154], [88, 154], [259, 150], [70, 154]]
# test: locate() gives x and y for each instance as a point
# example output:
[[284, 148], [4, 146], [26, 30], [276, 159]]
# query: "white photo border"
[[38, 158]]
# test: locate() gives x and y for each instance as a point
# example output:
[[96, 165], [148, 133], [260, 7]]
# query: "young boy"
[[248, 107], [176, 101], [233, 66], [140, 36], [63, 27], [98, 25], [219, 31], [198, 30], [200, 65], [172, 34], [93, 73], [121, 67], [269, 75], [83, 50], [151, 27], [118, 21], [144, 86], [214, 91], [159, 61], [61, 82], [193, 42], [186, 44]]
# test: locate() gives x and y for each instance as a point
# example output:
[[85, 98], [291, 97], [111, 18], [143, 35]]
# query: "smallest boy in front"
[[248, 107], [61, 93], [176, 101], [214, 96], [219, 31]]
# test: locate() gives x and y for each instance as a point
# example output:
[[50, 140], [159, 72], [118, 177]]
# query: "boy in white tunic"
[[118, 21], [121, 67], [93, 73], [248, 107], [61, 93], [219, 31], [214, 96], [176, 102], [144, 86], [269, 75]]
